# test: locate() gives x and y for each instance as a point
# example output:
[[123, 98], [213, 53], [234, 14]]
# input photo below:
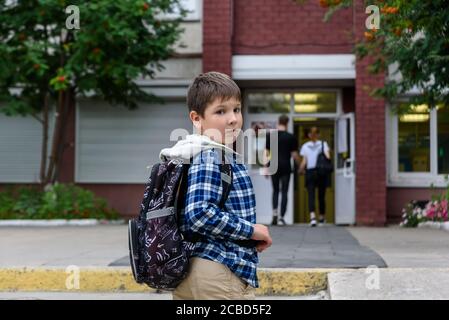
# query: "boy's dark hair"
[[209, 86], [283, 120]]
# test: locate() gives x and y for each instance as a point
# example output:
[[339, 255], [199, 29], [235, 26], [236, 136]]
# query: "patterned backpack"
[[159, 252]]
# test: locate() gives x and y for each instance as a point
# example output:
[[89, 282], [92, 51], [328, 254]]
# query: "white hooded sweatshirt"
[[192, 145]]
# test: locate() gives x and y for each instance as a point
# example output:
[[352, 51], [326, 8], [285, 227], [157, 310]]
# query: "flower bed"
[[433, 214]]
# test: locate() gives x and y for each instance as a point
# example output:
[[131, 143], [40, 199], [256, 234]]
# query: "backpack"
[[159, 252], [324, 165]]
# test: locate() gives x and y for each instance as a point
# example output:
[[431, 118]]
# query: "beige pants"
[[209, 280]]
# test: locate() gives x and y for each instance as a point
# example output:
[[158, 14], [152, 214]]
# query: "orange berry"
[[61, 79], [369, 35], [398, 31], [394, 10], [324, 3]]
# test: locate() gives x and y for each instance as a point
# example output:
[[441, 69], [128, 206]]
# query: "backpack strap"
[[149, 190], [226, 180]]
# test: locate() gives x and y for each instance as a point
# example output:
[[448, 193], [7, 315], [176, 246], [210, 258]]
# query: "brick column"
[[217, 36], [371, 188]]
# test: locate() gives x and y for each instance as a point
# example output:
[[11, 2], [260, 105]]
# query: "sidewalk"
[[295, 246], [406, 247], [302, 260]]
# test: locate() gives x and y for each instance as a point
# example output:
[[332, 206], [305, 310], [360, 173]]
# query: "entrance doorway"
[[301, 205]]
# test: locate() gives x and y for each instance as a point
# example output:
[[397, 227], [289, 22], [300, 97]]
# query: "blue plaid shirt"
[[219, 227]]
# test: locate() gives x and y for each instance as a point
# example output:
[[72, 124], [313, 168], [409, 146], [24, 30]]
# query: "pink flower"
[[444, 204], [443, 208], [430, 210]]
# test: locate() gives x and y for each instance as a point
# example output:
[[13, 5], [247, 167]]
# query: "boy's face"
[[222, 120]]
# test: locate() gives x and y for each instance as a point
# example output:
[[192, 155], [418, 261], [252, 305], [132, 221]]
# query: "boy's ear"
[[195, 118]]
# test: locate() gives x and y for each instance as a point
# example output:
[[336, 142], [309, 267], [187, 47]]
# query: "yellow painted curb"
[[272, 281]]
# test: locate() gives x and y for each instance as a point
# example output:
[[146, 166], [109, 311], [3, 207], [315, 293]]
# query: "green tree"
[[414, 34], [47, 61]]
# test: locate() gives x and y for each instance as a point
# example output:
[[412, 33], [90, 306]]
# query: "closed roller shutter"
[[20, 148], [115, 145]]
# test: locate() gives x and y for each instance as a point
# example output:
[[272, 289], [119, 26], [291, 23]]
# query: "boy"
[[221, 266]]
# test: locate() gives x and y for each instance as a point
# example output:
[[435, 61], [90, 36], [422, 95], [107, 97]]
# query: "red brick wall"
[[217, 33], [270, 27], [397, 199], [286, 27], [370, 141], [125, 198]]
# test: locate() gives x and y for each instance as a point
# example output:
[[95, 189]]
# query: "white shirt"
[[311, 151]]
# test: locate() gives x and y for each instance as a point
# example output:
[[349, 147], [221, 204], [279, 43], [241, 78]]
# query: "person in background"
[[310, 151], [287, 148]]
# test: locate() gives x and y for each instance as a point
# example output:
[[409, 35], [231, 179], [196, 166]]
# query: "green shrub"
[[59, 201]]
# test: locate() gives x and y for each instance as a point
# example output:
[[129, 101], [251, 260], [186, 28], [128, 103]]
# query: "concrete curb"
[[273, 281], [58, 222], [435, 225]]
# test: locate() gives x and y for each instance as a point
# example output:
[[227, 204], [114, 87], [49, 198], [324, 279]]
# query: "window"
[[418, 146], [269, 102], [443, 139], [414, 140], [316, 102], [305, 103]]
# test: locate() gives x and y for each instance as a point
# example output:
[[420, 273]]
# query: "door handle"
[[348, 168]]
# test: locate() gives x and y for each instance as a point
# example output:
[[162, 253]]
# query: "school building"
[[286, 60]]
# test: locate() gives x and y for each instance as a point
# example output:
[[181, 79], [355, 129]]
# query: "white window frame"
[[411, 179]]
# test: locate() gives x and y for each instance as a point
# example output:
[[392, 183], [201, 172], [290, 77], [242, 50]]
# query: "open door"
[[345, 170]]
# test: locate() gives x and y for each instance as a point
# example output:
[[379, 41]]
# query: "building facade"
[[286, 61]]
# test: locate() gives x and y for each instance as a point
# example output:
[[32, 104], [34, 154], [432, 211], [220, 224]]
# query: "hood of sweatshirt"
[[189, 147]]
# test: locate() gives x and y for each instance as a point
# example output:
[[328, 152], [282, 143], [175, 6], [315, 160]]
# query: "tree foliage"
[[46, 62], [411, 45]]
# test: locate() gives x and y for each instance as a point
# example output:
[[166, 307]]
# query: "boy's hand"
[[262, 235]]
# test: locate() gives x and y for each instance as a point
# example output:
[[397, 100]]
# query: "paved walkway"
[[406, 247], [300, 246], [416, 260], [390, 284], [294, 247]]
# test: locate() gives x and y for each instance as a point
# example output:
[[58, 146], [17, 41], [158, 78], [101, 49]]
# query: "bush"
[[412, 215], [436, 210], [59, 201]]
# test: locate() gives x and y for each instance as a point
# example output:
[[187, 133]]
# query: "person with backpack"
[[317, 167], [218, 235]]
